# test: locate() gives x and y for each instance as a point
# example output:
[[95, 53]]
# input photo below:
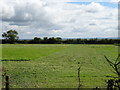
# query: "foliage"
[[59, 40], [10, 36], [114, 83], [36, 40]]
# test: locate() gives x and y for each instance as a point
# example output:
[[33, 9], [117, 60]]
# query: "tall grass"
[[55, 66]]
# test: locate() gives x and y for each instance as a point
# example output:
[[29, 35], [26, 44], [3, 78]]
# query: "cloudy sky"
[[60, 18]]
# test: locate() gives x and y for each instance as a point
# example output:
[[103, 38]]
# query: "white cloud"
[[7, 11], [57, 18]]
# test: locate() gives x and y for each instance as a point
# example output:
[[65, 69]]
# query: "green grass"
[[55, 65]]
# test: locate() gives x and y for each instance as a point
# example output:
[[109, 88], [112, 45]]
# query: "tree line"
[[12, 37]]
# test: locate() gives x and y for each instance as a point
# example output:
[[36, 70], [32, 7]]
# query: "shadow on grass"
[[15, 60]]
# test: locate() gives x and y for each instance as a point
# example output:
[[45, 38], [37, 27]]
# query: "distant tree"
[[58, 40], [45, 40], [70, 41], [51, 40], [37, 40], [10, 36]]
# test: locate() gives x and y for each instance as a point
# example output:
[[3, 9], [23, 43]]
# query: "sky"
[[60, 18]]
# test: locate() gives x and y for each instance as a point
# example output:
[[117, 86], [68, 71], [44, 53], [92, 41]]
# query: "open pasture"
[[55, 65]]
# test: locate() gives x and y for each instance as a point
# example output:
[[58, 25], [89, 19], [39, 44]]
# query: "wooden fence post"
[[7, 82], [79, 85]]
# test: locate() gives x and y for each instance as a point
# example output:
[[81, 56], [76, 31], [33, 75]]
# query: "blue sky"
[[107, 4]]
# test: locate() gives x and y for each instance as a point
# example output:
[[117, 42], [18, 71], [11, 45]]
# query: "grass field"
[[55, 65]]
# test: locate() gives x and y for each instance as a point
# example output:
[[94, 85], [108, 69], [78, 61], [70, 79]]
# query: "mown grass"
[[55, 65]]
